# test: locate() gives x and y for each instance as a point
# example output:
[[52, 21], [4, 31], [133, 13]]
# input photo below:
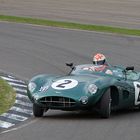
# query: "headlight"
[[92, 89], [32, 86], [84, 100], [36, 96]]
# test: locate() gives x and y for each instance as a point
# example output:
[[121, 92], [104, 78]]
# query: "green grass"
[[7, 96], [70, 25]]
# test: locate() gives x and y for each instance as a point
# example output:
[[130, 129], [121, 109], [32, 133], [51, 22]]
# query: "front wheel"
[[105, 105], [37, 110]]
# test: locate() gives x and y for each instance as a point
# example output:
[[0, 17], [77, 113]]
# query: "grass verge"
[[70, 25], [7, 96]]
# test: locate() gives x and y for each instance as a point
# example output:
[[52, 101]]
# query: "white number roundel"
[[64, 84], [137, 93]]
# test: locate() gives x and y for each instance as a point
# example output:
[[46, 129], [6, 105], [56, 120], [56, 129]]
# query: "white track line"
[[22, 110], [10, 76], [14, 117], [12, 80], [20, 90], [20, 127], [22, 96], [23, 103], [19, 85], [4, 124]]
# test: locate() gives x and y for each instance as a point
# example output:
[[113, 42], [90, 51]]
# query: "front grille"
[[54, 101]]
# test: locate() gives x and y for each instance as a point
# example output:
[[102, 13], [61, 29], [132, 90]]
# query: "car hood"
[[71, 86], [81, 78]]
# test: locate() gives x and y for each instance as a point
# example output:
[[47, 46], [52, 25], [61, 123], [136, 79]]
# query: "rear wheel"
[[37, 110], [105, 105]]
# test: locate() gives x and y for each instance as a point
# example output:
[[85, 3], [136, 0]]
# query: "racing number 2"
[[137, 93], [62, 85]]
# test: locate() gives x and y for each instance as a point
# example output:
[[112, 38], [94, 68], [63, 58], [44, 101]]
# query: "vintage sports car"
[[84, 89]]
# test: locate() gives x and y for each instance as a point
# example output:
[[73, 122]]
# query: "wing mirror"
[[69, 64], [129, 68]]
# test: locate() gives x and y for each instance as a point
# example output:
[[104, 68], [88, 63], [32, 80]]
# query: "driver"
[[100, 64]]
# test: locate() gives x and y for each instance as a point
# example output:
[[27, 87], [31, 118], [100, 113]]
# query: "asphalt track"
[[124, 13], [27, 50]]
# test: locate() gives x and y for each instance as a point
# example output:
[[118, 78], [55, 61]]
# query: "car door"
[[133, 87]]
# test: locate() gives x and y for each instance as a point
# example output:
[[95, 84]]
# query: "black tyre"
[[37, 110], [105, 105]]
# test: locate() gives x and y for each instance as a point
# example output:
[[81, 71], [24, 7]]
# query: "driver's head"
[[99, 59]]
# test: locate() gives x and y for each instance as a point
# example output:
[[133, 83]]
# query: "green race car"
[[84, 89]]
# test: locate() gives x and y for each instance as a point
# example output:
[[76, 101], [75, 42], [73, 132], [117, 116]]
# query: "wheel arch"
[[114, 94]]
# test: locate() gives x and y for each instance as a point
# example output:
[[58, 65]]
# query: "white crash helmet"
[[99, 59]]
